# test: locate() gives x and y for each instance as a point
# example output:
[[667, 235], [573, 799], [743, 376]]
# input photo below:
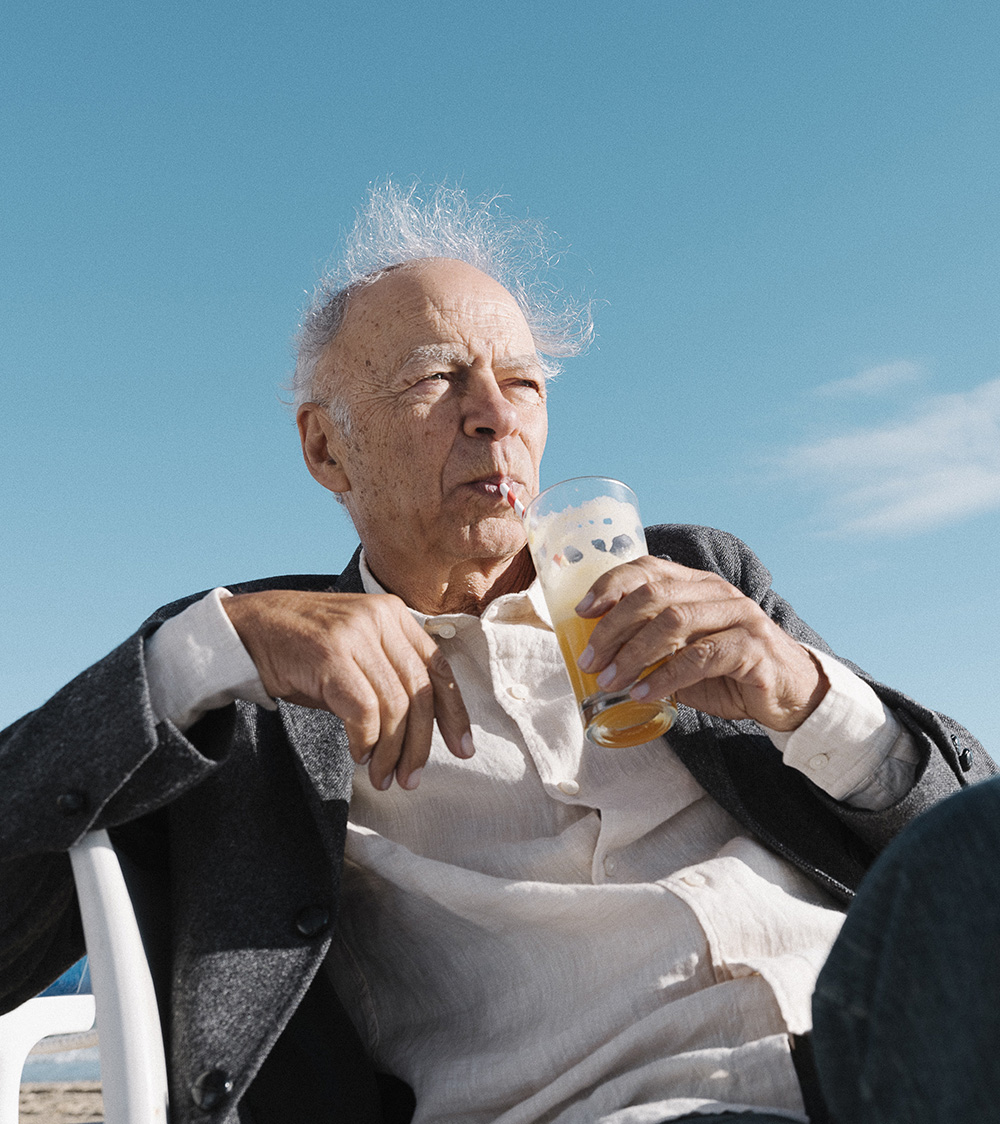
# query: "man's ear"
[[322, 447]]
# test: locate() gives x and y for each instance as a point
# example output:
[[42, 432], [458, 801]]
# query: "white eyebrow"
[[437, 353], [442, 353]]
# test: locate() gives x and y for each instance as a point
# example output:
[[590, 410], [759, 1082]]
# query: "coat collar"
[[350, 580]]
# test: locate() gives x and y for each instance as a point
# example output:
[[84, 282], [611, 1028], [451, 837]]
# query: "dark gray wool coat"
[[238, 830]]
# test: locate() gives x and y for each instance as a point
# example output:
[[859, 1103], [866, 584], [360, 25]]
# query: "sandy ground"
[[76, 1102]]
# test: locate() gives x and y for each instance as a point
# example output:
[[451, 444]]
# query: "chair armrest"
[[28, 1024], [133, 1066]]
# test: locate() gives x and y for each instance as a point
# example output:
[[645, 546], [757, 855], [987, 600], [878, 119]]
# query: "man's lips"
[[490, 485]]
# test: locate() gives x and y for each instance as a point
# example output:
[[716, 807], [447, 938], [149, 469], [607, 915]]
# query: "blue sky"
[[786, 215]]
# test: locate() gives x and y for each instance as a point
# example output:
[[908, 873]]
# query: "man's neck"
[[467, 587]]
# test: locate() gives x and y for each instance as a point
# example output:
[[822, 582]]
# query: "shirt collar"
[[528, 605]]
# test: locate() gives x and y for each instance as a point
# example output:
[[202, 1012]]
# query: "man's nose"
[[487, 413]]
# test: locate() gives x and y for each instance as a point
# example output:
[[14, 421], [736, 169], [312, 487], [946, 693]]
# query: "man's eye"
[[429, 381], [529, 384]]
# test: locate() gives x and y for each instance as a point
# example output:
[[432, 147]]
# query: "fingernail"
[[413, 779], [586, 658], [585, 603], [639, 691], [607, 675], [386, 782], [468, 749], [367, 757]]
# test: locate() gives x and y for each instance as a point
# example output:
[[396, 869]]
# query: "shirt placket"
[[531, 686]]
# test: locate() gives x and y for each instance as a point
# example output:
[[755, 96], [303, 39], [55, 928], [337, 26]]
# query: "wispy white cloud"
[[874, 380], [936, 465]]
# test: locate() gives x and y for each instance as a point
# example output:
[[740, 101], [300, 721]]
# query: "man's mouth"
[[490, 485]]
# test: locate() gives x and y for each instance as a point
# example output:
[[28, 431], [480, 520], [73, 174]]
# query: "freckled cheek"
[[534, 440]]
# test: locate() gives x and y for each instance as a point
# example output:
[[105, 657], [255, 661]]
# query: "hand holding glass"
[[578, 530]]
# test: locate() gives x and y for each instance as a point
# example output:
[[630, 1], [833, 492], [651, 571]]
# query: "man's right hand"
[[363, 657]]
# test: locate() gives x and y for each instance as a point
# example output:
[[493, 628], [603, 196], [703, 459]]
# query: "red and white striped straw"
[[509, 496]]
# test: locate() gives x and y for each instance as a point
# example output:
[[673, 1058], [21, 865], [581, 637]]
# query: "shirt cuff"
[[851, 746], [196, 662]]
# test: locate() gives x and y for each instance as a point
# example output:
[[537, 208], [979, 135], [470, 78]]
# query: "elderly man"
[[530, 927]]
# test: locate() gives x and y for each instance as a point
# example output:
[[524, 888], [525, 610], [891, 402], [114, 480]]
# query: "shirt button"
[[447, 629], [570, 788], [312, 921], [610, 865], [211, 1089], [820, 761], [72, 803], [693, 878], [517, 691]]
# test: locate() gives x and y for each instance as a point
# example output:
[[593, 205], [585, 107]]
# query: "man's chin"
[[494, 538]]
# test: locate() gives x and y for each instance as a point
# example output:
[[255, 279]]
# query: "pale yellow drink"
[[577, 531]]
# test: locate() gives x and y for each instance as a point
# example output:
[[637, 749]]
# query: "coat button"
[[211, 1088], [312, 921], [72, 803], [964, 754]]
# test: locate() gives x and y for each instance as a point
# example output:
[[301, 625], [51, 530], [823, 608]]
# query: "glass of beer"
[[577, 530]]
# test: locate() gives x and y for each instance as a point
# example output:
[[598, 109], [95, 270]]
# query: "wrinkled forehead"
[[435, 304]]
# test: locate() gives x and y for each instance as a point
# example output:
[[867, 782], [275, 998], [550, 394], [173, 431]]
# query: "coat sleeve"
[[93, 756], [950, 757]]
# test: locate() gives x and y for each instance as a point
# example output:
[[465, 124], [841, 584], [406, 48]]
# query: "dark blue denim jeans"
[[907, 1008]]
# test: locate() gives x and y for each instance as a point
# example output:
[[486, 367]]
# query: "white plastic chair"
[[133, 1066], [28, 1024]]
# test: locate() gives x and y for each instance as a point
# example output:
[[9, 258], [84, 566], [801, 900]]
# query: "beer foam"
[[573, 547]]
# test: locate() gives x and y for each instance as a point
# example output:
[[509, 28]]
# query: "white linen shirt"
[[553, 931]]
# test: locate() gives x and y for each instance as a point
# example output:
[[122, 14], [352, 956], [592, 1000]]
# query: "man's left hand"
[[723, 654]]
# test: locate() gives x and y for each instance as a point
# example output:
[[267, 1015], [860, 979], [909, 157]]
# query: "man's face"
[[446, 396]]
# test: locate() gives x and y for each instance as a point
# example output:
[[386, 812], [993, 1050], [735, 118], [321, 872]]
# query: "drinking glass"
[[577, 530]]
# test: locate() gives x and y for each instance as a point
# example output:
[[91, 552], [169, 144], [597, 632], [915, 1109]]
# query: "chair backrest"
[[133, 1065], [21, 1028]]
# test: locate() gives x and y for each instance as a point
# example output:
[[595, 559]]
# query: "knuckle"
[[364, 733], [654, 567], [644, 596], [384, 605], [423, 696], [395, 701], [703, 652], [727, 590], [354, 711], [674, 617], [677, 615]]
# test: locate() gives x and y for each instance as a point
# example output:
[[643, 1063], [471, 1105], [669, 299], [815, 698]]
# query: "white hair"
[[399, 225]]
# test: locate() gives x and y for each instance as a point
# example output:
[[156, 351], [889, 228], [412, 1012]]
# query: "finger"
[[449, 708], [724, 655], [655, 621], [425, 673], [416, 746], [431, 690], [448, 705], [620, 581], [392, 705], [345, 690], [396, 673]]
